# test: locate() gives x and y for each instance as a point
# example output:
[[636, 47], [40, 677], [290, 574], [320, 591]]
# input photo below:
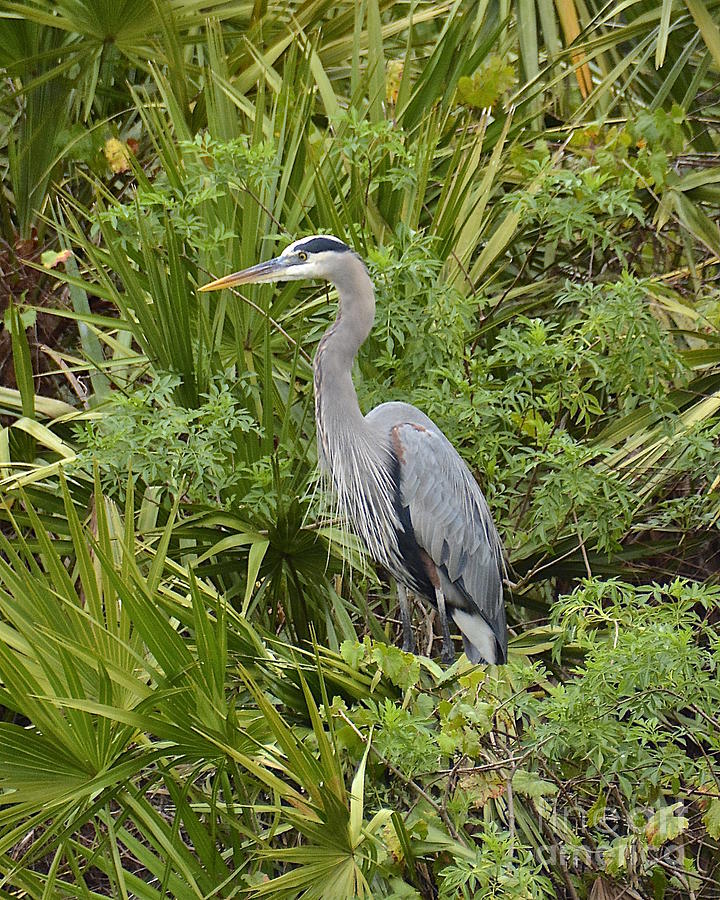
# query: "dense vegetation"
[[200, 692]]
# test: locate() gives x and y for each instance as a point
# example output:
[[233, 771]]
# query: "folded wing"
[[453, 525]]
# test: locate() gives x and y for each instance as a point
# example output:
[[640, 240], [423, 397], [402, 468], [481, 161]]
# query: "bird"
[[399, 481]]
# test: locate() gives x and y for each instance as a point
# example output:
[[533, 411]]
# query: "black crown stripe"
[[320, 244]]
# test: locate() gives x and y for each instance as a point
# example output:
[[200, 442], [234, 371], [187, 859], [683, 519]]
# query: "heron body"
[[398, 480]]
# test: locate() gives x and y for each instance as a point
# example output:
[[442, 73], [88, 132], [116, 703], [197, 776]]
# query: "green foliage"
[[651, 662], [377, 153], [186, 709], [630, 358], [500, 869], [208, 173], [407, 280], [401, 669], [605, 358], [403, 738], [488, 84], [197, 451], [594, 201]]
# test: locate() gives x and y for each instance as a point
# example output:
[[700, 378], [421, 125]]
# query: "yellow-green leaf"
[[711, 819], [663, 32], [255, 558], [531, 785], [665, 826], [707, 27]]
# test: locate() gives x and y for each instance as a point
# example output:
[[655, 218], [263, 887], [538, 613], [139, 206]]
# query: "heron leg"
[[448, 650], [408, 643]]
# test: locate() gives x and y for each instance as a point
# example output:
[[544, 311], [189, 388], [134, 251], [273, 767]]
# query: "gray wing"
[[452, 523]]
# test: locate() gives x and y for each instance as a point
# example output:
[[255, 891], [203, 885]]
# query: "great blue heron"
[[398, 479]]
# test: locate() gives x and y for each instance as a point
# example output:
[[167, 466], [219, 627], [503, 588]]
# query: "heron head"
[[318, 256]]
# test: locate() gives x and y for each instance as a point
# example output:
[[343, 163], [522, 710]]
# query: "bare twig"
[[78, 387]]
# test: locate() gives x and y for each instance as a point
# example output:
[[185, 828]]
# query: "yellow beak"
[[265, 271]]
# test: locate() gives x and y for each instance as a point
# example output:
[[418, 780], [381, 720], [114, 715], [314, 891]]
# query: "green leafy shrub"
[[197, 452], [501, 869], [208, 173]]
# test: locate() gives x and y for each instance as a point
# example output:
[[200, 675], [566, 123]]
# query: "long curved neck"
[[336, 404], [349, 451]]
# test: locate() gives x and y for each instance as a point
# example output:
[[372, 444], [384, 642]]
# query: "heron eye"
[[302, 255]]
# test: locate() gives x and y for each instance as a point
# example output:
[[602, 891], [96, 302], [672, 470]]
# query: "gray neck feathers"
[[350, 452], [336, 402]]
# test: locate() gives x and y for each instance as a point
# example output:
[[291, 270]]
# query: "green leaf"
[[529, 784], [489, 83], [711, 819], [707, 26], [596, 813], [21, 361], [258, 549], [357, 799], [665, 825], [663, 31], [697, 222], [44, 436], [616, 857]]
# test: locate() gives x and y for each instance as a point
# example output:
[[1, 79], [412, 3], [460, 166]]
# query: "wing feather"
[[452, 523]]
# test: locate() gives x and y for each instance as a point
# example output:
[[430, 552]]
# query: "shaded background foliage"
[[199, 690]]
